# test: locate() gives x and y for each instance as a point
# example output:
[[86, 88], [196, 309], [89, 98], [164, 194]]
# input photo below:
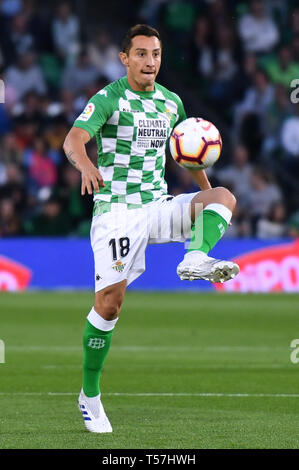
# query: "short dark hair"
[[138, 30]]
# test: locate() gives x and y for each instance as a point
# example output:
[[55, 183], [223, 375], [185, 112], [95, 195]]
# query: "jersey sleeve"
[[97, 111], [181, 113]]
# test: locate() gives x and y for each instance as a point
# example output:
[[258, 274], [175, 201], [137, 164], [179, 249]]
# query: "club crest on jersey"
[[119, 266], [168, 113], [88, 111]]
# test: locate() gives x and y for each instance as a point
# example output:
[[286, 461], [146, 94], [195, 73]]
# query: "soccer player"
[[132, 119]]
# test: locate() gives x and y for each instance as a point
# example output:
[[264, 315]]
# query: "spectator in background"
[[25, 132], [40, 163], [5, 118], [244, 78], [87, 92], [273, 225], [238, 175], [201, 48], [52, 221], [295, 21], [224, 67], [249, 113], [103, 54], [293, 225], [241, 226], [25, 76], [282, 68], [178, 19], [2, 173], [69, 192], [68, 105], [11, 8], [150, 10], [55, 135], [218, 14], [20, 37], [80, 75], [276, 113], [295, 48], [10, 223], [38, 24], [66, 33], [30, 109], [10, 152], [225, 61], [186, 183], [258, 97], [290, 135], [257, 30], [14, 187], [264, 193]]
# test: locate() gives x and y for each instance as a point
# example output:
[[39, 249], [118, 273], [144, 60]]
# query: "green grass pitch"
[[185, 370]]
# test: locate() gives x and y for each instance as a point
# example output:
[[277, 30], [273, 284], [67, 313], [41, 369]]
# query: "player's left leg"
[[211, 212]]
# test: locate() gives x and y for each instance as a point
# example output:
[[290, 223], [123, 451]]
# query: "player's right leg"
[[118, 240], [97, 338]]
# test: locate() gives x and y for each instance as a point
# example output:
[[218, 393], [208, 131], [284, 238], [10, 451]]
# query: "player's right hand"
[[91, 179]]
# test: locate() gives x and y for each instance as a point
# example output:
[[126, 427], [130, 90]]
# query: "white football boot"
[[93, 413], [198, 265]]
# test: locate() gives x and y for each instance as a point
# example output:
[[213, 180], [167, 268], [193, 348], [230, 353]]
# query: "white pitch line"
[[128, 394], [199, 366], [133, 348]]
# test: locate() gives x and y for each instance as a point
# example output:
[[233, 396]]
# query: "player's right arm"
[[74, 148], [93, 117]]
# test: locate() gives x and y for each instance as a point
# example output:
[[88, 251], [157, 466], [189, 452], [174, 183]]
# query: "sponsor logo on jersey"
[[87, 113], [102, 92], [152, 133], [126, 110], [125, 107]]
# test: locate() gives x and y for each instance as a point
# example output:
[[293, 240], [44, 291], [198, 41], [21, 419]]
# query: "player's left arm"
[[199, 176]]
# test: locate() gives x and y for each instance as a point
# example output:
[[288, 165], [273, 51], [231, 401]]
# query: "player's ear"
[[123, 58]]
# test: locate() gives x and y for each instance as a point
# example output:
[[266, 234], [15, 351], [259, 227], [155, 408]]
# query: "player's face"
[[142, 62]]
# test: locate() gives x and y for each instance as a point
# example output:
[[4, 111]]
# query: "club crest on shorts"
[[119, 266]]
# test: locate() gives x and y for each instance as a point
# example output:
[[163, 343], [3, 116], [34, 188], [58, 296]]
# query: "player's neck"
[[137, 87]]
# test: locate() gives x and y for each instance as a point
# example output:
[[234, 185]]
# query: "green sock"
[[96, 344], [208, 228]]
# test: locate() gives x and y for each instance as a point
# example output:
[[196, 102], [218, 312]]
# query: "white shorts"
[[119, 238]]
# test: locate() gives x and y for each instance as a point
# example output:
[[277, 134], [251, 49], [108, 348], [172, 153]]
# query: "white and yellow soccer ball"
[[195, 143]]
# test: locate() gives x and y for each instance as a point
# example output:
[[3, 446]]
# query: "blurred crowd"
[[237, 59]]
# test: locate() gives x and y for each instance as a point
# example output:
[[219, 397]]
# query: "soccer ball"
[[195, 143]]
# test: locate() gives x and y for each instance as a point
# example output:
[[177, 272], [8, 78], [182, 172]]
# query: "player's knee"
[[109, 304], [224, 196]]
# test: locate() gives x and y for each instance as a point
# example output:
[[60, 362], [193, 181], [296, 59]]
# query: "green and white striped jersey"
[[131, 130]]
